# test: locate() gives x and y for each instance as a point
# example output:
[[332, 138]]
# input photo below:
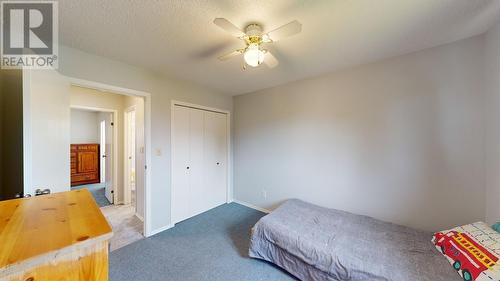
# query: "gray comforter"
[[315, 243]]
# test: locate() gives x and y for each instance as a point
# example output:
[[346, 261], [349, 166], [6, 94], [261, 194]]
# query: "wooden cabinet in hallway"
[[84, 164]]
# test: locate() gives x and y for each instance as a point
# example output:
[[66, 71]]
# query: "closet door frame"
[[175, 103]]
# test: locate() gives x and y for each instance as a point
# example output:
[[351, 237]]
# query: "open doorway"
[[91, 153], [130, 153], [121, 167]]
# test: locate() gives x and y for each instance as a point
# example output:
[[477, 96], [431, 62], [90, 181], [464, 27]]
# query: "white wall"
[[78, 64], [47, 131], [492, 74], [84, 126], [400, 140]]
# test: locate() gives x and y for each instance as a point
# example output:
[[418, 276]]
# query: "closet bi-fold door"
[[197, 186], [199, 168], [215, 157], [180, 164]]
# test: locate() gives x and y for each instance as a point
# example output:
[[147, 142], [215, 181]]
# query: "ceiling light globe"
[[253, 55]]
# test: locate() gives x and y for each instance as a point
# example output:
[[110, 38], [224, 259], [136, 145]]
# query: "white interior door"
[[109, 184], [46, 121], [180, 164], [132, 175], [140, 160], [102, 147], [215, 166], [130, 147]]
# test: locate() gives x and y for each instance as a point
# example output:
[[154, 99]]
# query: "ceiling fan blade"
[[270, 60], [286, 30], [232, 54], [229, 27]]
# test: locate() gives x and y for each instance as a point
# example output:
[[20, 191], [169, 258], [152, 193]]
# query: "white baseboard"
[[139, 217], [252, 206], [158, 230]]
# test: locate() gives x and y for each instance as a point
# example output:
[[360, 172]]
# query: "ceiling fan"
[[254, 53]]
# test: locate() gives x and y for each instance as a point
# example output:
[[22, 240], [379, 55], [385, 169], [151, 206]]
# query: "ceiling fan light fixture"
[[253, 55], [254, 39]]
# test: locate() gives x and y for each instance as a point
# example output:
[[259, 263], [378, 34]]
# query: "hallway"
[[97, 191], [127, 227]]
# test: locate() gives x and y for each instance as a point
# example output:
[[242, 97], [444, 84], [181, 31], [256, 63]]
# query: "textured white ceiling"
[[178, 37]]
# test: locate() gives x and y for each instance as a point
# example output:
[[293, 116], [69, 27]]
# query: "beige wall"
[[400, 140], [492, 74], [78, 64]]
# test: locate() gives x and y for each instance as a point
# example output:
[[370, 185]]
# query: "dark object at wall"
[[11, 134], [39, 191]]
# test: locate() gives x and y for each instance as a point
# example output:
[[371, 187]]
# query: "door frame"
[[228, 141], [126, 184], [114, 156], [106, 88]]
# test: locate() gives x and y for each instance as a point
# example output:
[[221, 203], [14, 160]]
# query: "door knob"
[[187, 168], [218, 163]]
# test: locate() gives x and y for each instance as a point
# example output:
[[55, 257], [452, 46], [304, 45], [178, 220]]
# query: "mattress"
[[315, 243]]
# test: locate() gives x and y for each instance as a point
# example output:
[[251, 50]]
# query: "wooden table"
[[61, 236]]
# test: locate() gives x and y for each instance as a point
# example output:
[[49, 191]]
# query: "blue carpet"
[[99, 197], [210, 246], [97, 191]]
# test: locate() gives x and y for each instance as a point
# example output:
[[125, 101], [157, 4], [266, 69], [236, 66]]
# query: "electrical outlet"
[[264, 193]]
